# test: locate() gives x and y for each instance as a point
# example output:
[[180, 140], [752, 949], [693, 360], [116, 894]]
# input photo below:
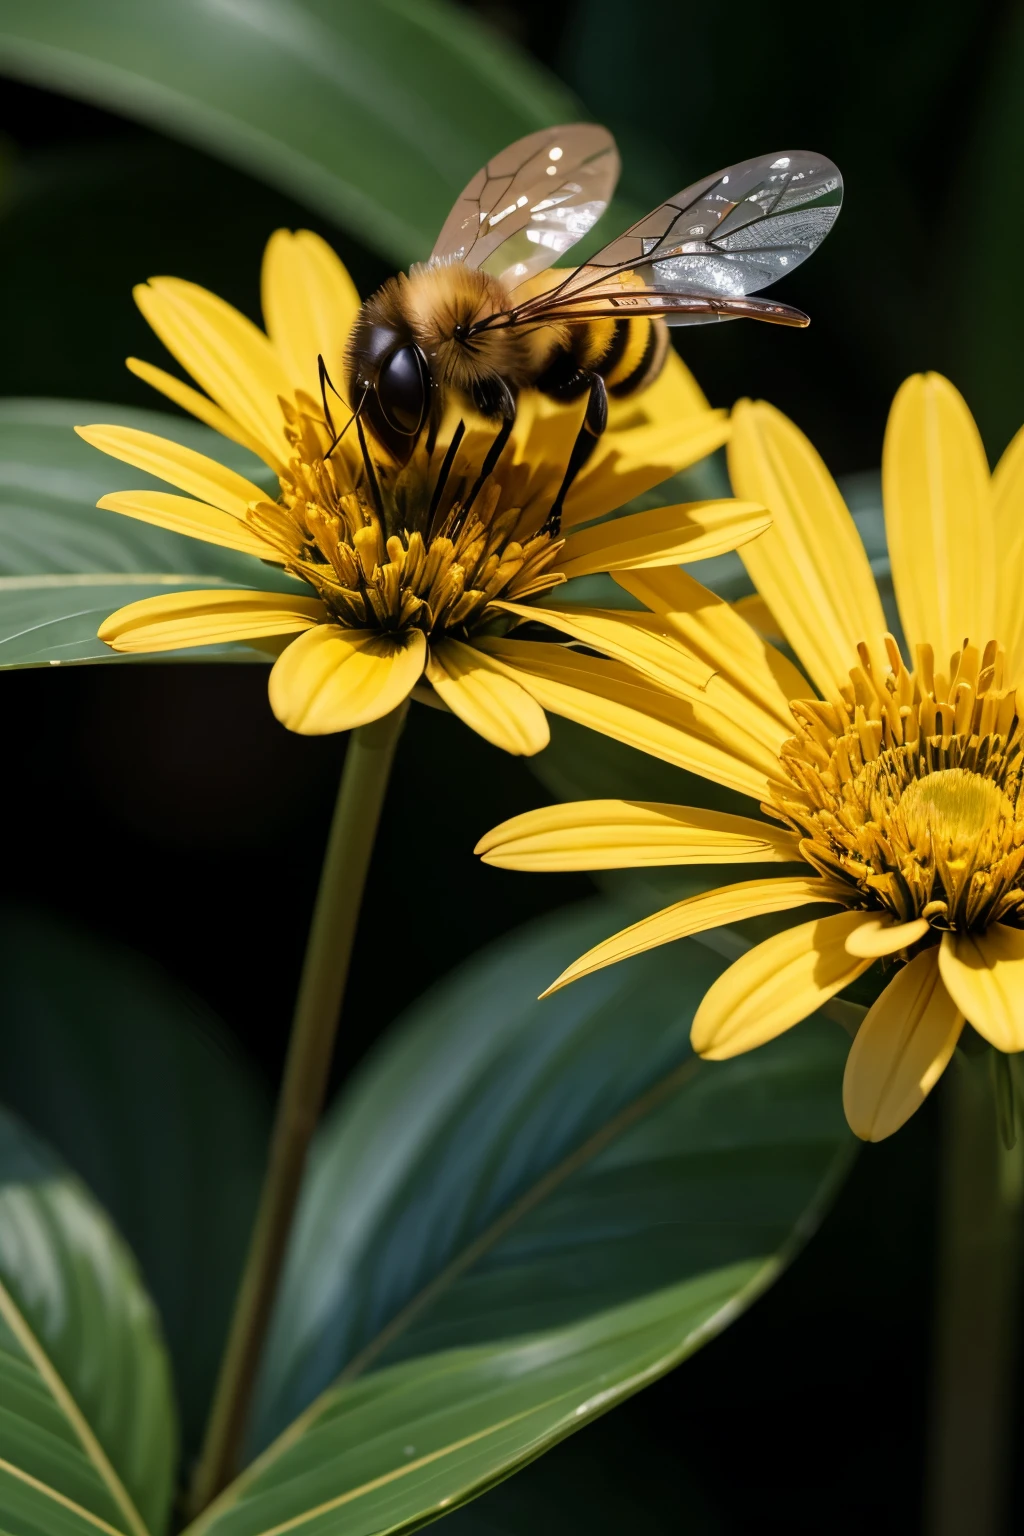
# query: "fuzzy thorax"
[[437, 305], [436, 568], [908, 789]]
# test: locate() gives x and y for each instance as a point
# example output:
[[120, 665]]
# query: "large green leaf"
[[129, 1077], [65, 564], [87, 1433], [376, 113], [520, 1214]]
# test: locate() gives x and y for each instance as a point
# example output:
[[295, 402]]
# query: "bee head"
[[388, 372]]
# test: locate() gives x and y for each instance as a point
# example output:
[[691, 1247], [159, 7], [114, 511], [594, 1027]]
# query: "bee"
[[488, 314]]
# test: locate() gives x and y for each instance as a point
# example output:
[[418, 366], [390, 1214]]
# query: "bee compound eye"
[[402, 390]]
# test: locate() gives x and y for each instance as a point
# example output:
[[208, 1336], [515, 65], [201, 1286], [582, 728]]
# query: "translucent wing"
[[532, 202], [725, 237]]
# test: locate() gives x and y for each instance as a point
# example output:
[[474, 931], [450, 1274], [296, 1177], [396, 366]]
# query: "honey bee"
[[486, 316]]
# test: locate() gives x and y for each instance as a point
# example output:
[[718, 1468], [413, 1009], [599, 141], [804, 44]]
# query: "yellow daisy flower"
[[406, 577], [897, 787]]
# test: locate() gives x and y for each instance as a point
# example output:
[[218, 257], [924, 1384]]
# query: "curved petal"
[[728, 904], [309, 305], [776, 984], [626, 637], [196, 405], [615, 700], [1008, 521], [333, 679], [885, 936], [938, 517], [630, 463], [811, 568], [626, 834], [756, 673], [182, 619], [487, 699], [195, 518], [696, 530], [984, 975], [225, 353], [191, 472], [901, 1049]]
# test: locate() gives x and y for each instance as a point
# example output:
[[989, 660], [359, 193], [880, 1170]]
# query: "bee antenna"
[[353, 418], [371, 473]]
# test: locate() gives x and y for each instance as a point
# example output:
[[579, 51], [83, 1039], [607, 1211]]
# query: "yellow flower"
[[897, 788], [409, 581]]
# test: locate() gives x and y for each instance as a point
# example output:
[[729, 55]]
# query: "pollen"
[[430, 546], [907, 789]]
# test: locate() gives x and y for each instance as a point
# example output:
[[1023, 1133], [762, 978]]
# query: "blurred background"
[[161, 806]]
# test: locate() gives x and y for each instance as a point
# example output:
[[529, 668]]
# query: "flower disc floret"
[[907, 790]]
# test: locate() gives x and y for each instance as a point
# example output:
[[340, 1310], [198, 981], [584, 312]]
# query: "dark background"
[[163, 806]]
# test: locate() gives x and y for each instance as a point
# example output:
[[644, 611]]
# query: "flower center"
[[907, 789], [951, 811], [431, 545]]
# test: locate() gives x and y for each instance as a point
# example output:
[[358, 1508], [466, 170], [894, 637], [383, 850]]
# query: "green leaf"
[[520, 1214], [130, 1078], [65, 564], [377, 113], [87, 1431]]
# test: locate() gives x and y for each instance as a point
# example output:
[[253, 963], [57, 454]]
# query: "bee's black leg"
[[445, 471], [505, 403], [595, 420]]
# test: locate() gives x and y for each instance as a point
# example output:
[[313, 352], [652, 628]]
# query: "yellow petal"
[[1008, 519], [623, 834], [775, 985], [487, 699], [197, 405], [225, 353], [729, 904], [901, 1049], [612, 698], [761, 681], [629, 464], [665, 536], [309, 305], [195, 518], [984, 975], [753, 610], [938, 517], [333, 679], [811, 567], [884, 936], [625, 637], [180, 619], [191, 472]]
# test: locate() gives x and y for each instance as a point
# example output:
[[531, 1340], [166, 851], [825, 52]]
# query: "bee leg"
[[595, 419], [506, 404]]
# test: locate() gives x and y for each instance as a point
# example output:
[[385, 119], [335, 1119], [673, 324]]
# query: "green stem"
[[364, 780], [976, 1334]]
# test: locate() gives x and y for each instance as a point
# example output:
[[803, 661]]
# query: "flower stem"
[[982, 1183], [364, 780]]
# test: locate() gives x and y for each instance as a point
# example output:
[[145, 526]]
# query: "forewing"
[[726, 236], [532, 202]]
